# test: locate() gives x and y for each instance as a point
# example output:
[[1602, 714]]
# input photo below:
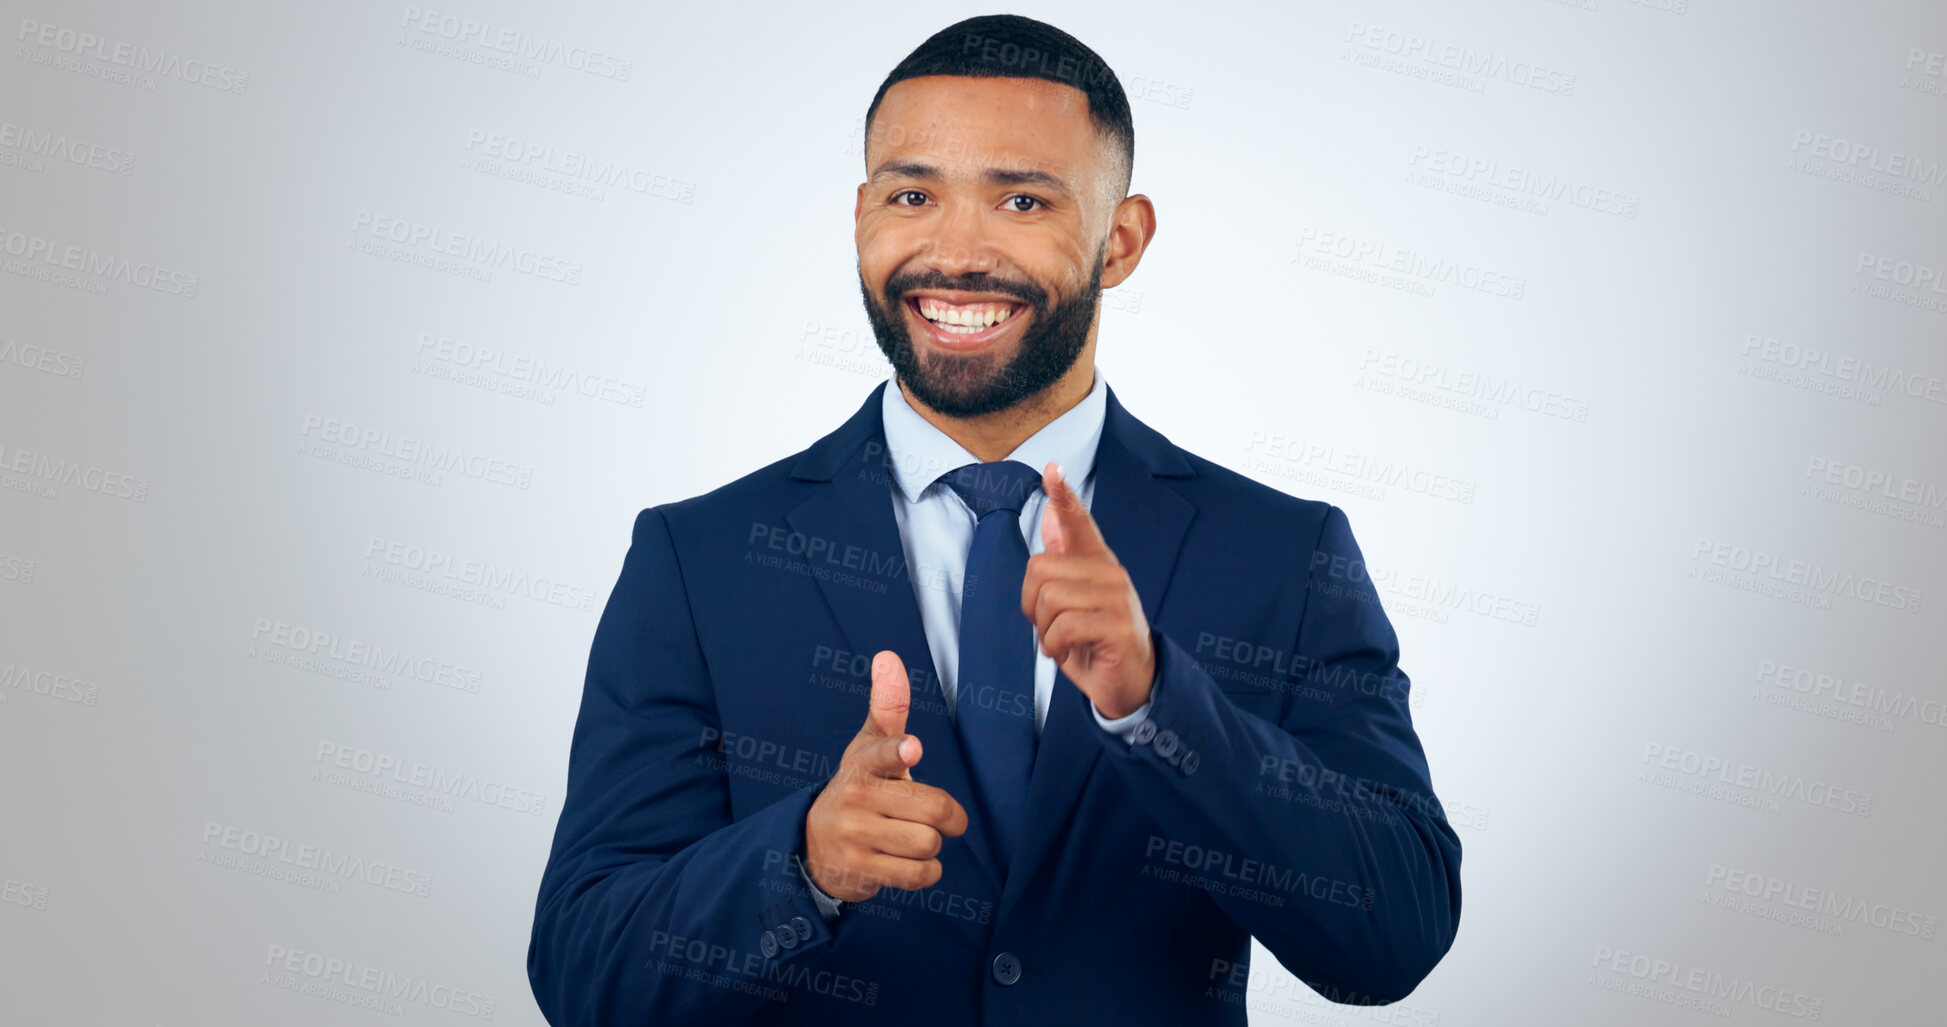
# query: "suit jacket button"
[[1007, 969], [1190, 761], [802, 927], [768, 945], [1165, 743], [1144, 732], [786, 936]]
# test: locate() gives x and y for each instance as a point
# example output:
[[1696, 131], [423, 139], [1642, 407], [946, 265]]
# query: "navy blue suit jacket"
[[1278, 789]]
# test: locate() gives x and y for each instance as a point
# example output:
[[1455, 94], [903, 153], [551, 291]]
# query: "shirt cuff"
[[827, 905], [1125, 727]]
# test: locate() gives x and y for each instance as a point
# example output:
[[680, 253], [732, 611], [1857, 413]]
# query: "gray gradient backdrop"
[[1617, 328]]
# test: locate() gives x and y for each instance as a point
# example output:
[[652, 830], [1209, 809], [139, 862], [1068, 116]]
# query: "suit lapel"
[[854, 507], [1143, 521]]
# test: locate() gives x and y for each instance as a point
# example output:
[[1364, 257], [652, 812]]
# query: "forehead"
[[966, 123]]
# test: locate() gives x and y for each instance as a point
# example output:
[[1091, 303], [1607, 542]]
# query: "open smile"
[[964, 324]]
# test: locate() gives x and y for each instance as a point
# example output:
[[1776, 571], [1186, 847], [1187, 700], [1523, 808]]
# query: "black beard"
[[970, 385]]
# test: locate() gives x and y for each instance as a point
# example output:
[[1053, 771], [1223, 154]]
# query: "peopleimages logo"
[[516, 44], [1895, 167], [17, 569], [526, 160], [1870, 703], [1836, 373], [395, 557], [379, 442], [1423, 57], [255, 851], [55, 470], [377, 766], [501, 370], [1901, 272], [1226, 873], [1901, 281], [367, 986], [1495, 392], [61, 262], [22, 893], [128, 57], [59, 363], [1822, 902], [439, 248], [355, 656], [19, 677], [1525, 181], [1715, 558], [1417, 270], [1363, 467], [1674, 982], [1887, 493], [1711, 771], [58, 146]]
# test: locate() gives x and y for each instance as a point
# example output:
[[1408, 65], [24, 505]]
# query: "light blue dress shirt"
[[936, 527]]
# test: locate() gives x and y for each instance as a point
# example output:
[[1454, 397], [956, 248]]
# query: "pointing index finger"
[[1067, 527]]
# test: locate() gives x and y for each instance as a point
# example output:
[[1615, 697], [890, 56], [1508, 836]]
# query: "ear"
[[1131, 228]]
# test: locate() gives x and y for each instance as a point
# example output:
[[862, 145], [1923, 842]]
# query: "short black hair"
[[1010, 46]]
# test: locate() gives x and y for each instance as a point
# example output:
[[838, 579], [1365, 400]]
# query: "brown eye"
[[1017, 200], [903, 194]]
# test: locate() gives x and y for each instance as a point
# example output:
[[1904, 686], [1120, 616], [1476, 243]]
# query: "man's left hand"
[[1084, 607]]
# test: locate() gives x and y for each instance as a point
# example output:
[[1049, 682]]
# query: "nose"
[[957, 243]]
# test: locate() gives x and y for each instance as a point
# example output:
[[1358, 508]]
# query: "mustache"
[[980, 281]]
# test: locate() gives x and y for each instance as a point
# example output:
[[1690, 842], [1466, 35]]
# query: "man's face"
[[981, 235]]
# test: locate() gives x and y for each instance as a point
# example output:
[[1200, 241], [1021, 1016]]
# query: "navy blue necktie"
[[994, 691]]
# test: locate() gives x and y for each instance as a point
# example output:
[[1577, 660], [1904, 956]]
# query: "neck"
[[991, 437]]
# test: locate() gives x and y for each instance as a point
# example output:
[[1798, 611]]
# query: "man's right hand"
[[873, 825]]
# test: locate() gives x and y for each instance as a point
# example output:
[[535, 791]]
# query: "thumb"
[[891, 696]]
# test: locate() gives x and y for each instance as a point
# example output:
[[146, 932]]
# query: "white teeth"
[[967, 319]]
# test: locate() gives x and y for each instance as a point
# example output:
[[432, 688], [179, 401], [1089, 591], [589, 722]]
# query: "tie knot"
[[995, 485]]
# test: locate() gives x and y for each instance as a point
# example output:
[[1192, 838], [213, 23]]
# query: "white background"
[[1616, 327]]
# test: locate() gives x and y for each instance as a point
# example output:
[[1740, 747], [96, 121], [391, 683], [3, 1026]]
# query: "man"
[[1124, 709]]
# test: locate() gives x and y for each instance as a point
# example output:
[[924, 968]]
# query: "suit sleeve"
[[1334, 851], [655, 905]]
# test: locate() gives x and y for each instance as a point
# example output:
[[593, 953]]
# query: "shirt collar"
[[920, 453]]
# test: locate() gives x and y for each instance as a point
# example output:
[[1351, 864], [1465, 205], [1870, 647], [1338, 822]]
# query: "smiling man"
[[992, 706], [995, 212]]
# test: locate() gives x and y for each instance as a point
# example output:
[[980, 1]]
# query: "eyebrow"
[[992, 176]]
